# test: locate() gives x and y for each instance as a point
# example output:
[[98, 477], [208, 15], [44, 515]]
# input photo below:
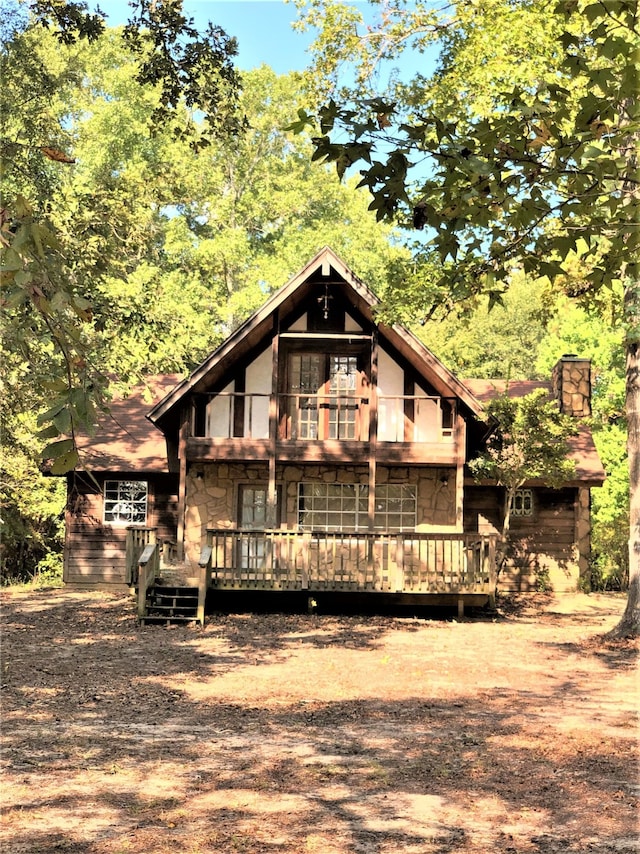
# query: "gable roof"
[[291, 295], [582, 450], [124, 440]]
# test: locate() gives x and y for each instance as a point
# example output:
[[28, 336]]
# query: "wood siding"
[[543, 554], [331, 450], [95, 552]]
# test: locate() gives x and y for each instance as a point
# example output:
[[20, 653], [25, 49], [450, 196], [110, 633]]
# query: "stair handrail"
[[204, 566], [148, 566]]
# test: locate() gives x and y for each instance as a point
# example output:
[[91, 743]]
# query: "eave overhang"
[[290, 297]]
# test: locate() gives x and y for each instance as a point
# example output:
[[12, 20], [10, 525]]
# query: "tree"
[[537, 175], [193, 241], [55, 255], [599, 336], [256, 206], [515, 329], [529, 332], [528, 443]]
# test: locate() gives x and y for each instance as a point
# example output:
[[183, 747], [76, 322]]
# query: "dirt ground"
[[288, 733]]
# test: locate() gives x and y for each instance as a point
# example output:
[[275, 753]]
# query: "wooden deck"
[[455, 568], [459, 564]]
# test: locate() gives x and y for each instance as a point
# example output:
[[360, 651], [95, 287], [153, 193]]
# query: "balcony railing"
[[386, 562], [414, 418], [401, 418], [317, 416]]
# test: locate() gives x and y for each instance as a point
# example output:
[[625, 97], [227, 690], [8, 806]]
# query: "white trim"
[[120, 504]]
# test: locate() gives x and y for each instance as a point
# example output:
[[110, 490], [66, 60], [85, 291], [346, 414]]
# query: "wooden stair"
[[171, 594], [170, 603]]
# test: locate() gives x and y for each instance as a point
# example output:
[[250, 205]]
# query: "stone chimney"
[[571, 381]]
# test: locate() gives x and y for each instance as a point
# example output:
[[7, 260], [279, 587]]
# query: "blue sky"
[[262, 28]]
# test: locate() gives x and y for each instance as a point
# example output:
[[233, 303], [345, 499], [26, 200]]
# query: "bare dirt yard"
[[288, 733]]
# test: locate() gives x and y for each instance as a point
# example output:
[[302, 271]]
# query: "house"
[[319, 450]]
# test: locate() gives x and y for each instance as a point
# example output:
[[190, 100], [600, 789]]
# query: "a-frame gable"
[[327, 267]]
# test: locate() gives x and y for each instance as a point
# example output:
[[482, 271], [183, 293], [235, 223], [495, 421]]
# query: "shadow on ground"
[[107, 748]]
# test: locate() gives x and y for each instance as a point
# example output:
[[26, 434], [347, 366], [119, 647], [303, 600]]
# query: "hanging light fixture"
[[324, 302]]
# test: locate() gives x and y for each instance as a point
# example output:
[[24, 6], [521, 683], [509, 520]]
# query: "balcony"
[[416, 563], [331, 428]]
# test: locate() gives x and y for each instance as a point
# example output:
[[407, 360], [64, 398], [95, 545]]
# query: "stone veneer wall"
[[571, 381], [211, 500], [583, 534], [212, 494]]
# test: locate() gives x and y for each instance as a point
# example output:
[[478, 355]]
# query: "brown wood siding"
[[334, 450], [544, 552], [95, 552]]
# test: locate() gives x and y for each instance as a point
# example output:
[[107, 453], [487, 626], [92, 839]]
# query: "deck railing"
[[401, 418], [148, 566], [415, 418], [137, 538], [386, 562]]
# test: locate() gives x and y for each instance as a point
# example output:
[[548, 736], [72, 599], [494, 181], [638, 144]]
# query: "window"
[[253, 507], [252, 518], [344, 507], [522, 503], [324, 398], [125, 501]]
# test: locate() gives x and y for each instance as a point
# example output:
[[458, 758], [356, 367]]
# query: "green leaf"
[[11, 260], [65, 463], [51, 413], [63, 420], [49, 432], [54, 450]]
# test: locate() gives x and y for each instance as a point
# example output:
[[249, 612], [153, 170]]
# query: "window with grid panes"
[[324, 395], [344, 507], [522, 503], [125, 502]]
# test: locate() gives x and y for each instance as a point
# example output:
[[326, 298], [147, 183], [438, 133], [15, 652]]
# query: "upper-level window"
[[522, 503], [344, 507], [324, 395], [125, 501]]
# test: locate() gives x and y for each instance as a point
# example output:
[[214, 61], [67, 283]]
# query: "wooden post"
[[129, 558], [147, 571], [238, 406], [408, 433], [373, 431], [461, 441], [272, 491], [306, 561], [493, 577], [204, 565], [182, 483], [373, 443], [399, 563]]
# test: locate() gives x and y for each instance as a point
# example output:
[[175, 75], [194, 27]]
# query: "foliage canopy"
[[540, 173]]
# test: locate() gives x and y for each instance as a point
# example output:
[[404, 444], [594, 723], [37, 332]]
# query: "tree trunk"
[[502, 550], [629, 625]]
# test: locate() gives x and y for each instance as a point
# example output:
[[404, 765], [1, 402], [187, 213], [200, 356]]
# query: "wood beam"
[[461, 446], [182, 480], [238, 403], [373, 431], [272, 491]]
